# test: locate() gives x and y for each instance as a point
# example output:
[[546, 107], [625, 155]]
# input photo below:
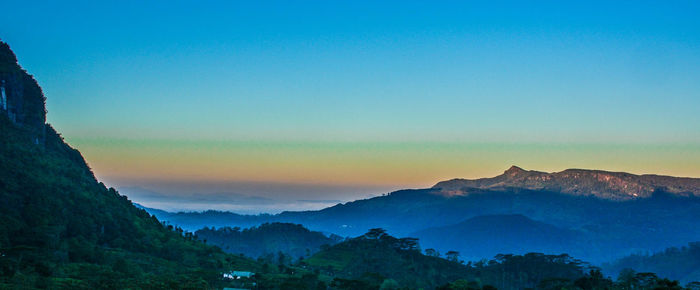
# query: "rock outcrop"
[[21, 98]]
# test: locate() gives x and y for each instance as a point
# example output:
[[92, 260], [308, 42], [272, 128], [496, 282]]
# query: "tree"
[[555, 284], [432, 252], [627, 278], [666, 284], [593, 280], [645, 280], [461, 284], [410, 244], [693, 286], [452, 256], [340, 283], [375, 233], [389, 284]]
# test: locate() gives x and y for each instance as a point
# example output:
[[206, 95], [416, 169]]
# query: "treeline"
[[268, 240], [678, 263], [377, 260]]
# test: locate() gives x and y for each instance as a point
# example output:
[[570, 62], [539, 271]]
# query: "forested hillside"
[[268, 241], [517, 234], [675, 263], [377, 260], [60, 227]]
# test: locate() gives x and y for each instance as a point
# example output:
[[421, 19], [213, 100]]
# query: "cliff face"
[[602, 184], [62, 229], [21, 98]]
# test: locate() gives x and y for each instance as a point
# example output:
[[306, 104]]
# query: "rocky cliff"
[[21, 98]]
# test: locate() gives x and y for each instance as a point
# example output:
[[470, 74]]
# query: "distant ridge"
[[523, 235], [603, 184]]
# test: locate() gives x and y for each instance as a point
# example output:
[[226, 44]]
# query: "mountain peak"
[[6, 54], [602, 184], [514, 170]]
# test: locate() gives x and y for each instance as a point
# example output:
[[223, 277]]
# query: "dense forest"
[[676, 263], [377, 260], [60, 227], [268, 240]]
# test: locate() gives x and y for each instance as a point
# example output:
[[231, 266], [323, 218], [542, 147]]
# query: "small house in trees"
[[235, 275]]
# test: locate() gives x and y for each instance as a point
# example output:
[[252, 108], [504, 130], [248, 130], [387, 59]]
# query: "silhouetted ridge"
[[489, 235]]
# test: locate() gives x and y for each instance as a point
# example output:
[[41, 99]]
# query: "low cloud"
[[320, 201], [226, 201]]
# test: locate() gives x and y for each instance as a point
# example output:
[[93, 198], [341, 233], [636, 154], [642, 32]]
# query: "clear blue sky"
[[364, 94]]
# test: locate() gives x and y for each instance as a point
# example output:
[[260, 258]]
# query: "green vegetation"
[[372, 259], [60, 228], [25, 99], [677, 263], [377, 254], [268, 240], [379, 261]]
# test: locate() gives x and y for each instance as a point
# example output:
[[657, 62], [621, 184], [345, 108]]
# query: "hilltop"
[[598, 183]]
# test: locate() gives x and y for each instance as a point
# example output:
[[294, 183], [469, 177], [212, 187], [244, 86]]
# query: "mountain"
[[61, 228], [517, 234], [268, 240], [193, 221], [613, 227], [602, 184]]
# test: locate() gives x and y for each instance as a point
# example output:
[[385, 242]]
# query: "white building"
[[234, 275]]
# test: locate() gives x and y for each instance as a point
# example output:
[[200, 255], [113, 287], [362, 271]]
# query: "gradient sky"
[[312, 103]]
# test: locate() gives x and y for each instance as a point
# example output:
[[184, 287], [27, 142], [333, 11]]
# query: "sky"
[[263, 106]]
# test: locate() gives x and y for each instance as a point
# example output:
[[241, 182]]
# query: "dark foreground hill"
[[60, 228]]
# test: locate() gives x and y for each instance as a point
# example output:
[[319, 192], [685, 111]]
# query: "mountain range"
[[613, 214], [602, 184], [62, 228]]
